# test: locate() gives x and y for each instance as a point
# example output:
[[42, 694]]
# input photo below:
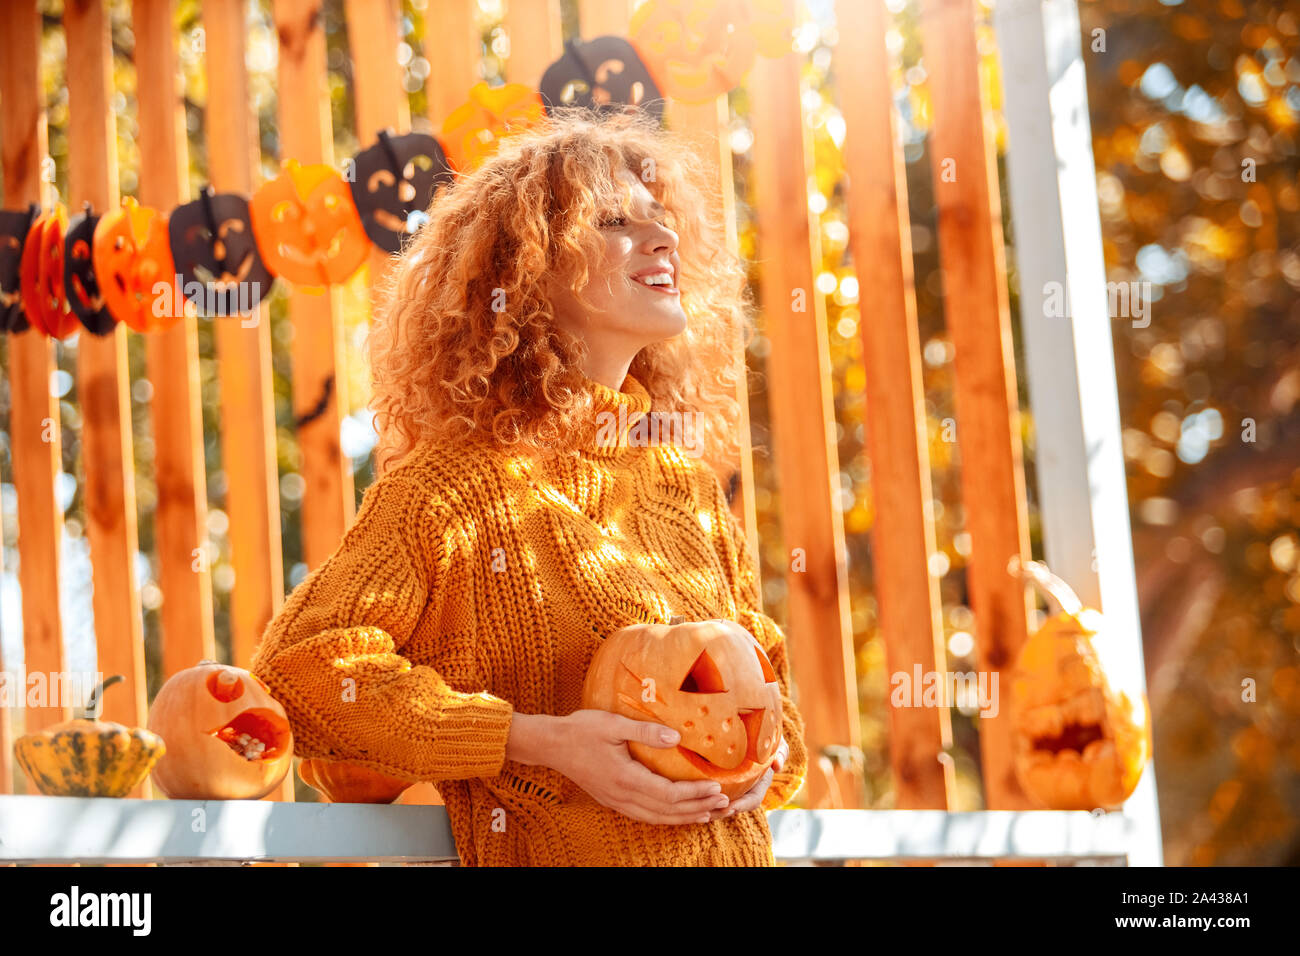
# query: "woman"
[[522, 514]]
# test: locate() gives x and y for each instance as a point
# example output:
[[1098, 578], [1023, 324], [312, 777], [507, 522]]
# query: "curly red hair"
[[446, 366]]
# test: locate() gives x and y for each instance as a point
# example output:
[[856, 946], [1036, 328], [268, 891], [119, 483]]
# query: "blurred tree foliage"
[[1194, 108]]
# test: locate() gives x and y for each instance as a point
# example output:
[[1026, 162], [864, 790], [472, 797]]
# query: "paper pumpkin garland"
[[216, 256], [80, 284], [14, 227], [394, 183], [604, 73], [133, 256], [307, 227], [41, 276], [471, 133], [699, 49], [220, 253]]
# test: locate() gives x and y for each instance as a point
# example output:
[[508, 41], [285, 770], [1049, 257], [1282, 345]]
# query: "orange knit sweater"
[[474, 584]]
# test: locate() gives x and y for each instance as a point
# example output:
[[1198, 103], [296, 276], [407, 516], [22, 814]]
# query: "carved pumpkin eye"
[[380, 177], [81, 249], [225, 685], [704, 677], [769, 676]]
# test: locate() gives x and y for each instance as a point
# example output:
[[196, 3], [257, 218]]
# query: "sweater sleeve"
[[333, 655], [741, 568]]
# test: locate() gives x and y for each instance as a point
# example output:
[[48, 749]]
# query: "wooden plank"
[[102, 375], [903, 537], [6, 726], [598, 18], [378, 95], [454, 49], [1079, 456], [707, 125], [930, 835], [34, 422], [244, 350], [820, 632], [102, 830], [536, 40], [319, 370], [974, 272], [181, 514]]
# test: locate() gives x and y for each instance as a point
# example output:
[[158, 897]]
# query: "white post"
[[1068, 350]]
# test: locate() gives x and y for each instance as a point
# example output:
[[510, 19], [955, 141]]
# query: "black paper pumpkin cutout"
[[14, 226], [216, 256], [394, 183], [605, 73], [80, 284]]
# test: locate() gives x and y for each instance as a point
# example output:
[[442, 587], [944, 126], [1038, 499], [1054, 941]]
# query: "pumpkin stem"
[[1041, 577], [91, 711]]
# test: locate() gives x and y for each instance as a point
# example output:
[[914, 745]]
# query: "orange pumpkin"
[[306, 226], [133, 256], [1079, 745], [473, 130], [41, 276], [227, 737], [343, 781], [696, 49], [708, 680]]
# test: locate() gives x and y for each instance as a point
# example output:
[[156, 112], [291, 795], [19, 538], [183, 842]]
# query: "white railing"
[[39, 829]]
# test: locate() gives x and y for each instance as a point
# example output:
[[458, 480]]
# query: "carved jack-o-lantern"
[[133, 262], [227, 737], [307, 227], [1079, 745], [80, 283], [15, 226], [216, 254], [393, 184], [473, 130], [696, 49], [604, 73], [41, 276], [708, 680]]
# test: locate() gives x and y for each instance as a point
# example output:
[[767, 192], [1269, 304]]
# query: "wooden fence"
[[818, 623]]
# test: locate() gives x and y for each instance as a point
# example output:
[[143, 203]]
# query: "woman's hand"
[[590, 748], [752, 798]]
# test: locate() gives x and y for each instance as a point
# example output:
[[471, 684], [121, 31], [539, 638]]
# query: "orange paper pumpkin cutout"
[[132, 257], [227, 738], [307, 227], [708, 680], [473, 130], [1079, 744], [696, 49], [771, 26], [41, 276]]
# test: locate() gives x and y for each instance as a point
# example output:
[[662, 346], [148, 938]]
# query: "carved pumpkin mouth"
[[226, 281], [255, 734], [1072, 737], [707, 766], [391, 222], [88, 301]]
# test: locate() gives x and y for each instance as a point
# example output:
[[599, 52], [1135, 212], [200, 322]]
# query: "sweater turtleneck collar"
[[613, 413]]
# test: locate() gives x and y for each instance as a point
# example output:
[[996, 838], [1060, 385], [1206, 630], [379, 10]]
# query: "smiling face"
[[633, 295]]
